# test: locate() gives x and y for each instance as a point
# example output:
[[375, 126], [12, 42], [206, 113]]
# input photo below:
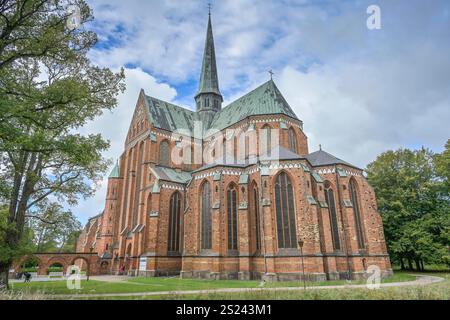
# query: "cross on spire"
[[271, 74], [209, 8]]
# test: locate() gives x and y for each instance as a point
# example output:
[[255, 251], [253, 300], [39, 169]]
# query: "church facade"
[[233, 193]]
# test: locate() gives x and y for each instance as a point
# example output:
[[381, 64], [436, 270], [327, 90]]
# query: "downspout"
[[342, 221]]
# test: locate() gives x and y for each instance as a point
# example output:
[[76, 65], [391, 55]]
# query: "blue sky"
[[359, 92]]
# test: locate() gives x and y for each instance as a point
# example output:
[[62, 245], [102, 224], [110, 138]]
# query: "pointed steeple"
[[208, 99], [209, 82], [115, 173]]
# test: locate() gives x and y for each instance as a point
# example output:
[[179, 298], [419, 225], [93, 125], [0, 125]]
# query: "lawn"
[[170, 284], [437, 291]]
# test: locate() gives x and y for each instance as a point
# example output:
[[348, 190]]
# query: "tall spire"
[[209, 82]]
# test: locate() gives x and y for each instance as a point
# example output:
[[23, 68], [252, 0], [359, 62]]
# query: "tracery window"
[[232, 218], [358, 223], [174, 235], [292, 140], [266, 139], [329, 198], [256, 217], [164, 154], [206, 218], [285, 212]]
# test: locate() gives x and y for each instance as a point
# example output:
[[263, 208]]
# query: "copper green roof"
[[167, 116], [209, 82], [169, 174], [264, 100], [115, 172]]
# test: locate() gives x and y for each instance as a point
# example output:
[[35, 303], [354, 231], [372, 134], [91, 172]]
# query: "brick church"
[[232, 192]]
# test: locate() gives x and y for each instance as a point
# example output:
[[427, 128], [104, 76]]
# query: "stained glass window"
[[284, 203]]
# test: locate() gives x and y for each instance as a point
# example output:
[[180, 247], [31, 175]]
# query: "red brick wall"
[[312, 221]]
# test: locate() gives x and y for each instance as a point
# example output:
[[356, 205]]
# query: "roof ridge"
[[246, 94], [170, 103], [263, 100]]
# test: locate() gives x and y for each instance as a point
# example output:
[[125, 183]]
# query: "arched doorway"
[[82, 263], [31, 265], [104, 267], [56, 269]]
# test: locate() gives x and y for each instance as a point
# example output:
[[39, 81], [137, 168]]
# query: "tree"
[[442, 164], [48, 90], [31, 29], [56, 236], [414, 204]]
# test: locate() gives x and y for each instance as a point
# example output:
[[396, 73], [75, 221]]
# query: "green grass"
[[437, 291], [134, 285]]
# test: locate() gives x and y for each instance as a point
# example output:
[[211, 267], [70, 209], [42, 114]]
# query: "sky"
[[359, 92]]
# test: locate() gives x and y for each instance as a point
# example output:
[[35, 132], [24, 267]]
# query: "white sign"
[[143, 264]]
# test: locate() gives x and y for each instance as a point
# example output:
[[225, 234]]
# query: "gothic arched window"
[[235, 149], [206, 223], [358, 223], [247, 148], [138, 168], [284, 203], [164, 154], [256, 216], [329, 198], [292, 140], [232, 218], [224, 150], [174, 223], [266, 139]]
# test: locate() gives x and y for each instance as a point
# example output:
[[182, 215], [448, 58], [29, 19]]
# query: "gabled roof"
[[168, 174], [264, 100], [168, 116], [322, 158]]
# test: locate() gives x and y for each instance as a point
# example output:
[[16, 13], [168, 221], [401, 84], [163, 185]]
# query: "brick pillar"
[[244, 233], [268, 243]]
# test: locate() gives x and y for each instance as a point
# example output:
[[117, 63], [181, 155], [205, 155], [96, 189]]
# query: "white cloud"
[[359, 92]]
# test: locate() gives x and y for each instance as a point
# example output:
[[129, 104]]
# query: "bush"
[[55, 269]]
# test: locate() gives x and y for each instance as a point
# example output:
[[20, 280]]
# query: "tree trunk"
[[402, 264], [410, 265], [421, 264], [417, 264], [4, 275]]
